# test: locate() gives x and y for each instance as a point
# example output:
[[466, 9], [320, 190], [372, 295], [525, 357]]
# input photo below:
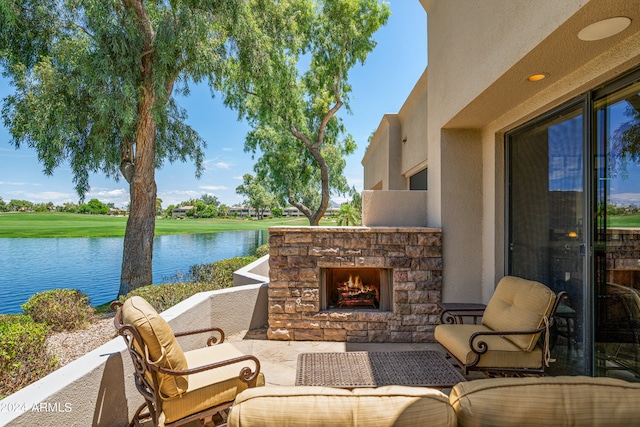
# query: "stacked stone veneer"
[[298, 253]]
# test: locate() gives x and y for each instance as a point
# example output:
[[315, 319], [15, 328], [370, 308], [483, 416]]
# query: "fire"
[[354, 286], [357, 283]]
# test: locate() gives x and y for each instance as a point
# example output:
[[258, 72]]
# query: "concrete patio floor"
[[278, 359]]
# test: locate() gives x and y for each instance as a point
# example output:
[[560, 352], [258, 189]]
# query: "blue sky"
[[380, 86]]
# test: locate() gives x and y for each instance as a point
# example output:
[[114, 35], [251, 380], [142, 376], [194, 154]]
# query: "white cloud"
[[173, 197], [625, 198], [223, 165], [118, 192], [227, 149], [213, 187], [20, 184], [118, 196], [43, 197]]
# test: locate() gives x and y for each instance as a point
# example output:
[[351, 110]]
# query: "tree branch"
[[144, 22], [325, 121]]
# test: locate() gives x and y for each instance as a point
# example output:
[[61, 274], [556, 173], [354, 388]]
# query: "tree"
[[625, 142], [94, 87], [223, 210], [348, 215], [356, 200], [3, 205], [210, 199], [293, 114], [257, 196], [158, 206], [94, 207], [44, 207], [16, 205], [70, 207]]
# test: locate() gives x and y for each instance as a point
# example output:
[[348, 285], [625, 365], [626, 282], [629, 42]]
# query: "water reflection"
[[92, 265]]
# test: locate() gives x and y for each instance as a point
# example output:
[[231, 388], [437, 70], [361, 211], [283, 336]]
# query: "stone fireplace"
[[354, 284]]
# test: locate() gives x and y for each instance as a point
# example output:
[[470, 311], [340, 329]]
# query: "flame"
[[357, 283], [354, 286]]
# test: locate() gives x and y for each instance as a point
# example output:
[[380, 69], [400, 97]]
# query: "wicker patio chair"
[[513, 337], [180, 387]]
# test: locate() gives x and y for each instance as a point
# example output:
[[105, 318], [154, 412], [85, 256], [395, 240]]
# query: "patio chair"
[[180, 387], [516, 318]]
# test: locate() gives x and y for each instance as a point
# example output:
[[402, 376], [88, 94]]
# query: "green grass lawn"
[[58, 224], [623, 221]]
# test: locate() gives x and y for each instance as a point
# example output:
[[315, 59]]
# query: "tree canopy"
[[257, 196], [291, 97], [94, 83]]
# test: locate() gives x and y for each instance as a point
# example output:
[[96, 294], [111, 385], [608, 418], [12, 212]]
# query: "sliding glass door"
[[547, 220], [617, 236], [574, 224]]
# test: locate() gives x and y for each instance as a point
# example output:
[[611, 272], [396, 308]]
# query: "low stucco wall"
[[254, 273], [98, 388], [394, 208]]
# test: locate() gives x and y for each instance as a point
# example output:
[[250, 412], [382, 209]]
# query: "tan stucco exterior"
[[398, 148], [480, 54]]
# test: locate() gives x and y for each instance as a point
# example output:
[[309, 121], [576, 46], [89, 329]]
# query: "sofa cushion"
[[319, 406], [212, 387], [519, 305], [163, 347], [545, 401], [502, 352]]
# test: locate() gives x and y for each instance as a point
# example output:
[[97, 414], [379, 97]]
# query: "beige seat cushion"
[[212, 387], [163, 347], [519, 305], [502, 352], [302, 406], [546, 401]]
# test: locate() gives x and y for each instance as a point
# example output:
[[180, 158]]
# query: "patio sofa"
[[495, 402]]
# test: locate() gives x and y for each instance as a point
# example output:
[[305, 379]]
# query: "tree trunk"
[[137, 254], [325, 193], [138, 239]]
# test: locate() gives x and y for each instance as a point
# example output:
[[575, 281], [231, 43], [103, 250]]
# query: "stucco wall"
[[253, 273], [480, 54], [472, 44], [98, 388], [394, 208], [383, 158], [461, 162], [413, 123]]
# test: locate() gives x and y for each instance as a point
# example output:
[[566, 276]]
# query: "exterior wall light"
[[605, 28], [537, 77]]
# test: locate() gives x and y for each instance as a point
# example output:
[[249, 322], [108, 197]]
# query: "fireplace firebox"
[[356, 289]]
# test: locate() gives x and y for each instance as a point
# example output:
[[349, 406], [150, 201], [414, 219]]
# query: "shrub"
[[60, 309], [161, 297], [262, 250], [23, 357], [202, 278], [219, 272]]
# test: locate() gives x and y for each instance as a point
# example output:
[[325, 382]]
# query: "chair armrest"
[[452, 313], [211, 341], [246, 374], [481, 347]]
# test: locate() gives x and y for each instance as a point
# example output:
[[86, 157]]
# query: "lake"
[[92, 265]]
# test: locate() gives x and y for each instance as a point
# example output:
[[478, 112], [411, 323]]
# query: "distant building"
[[117, 212], [181, 211]]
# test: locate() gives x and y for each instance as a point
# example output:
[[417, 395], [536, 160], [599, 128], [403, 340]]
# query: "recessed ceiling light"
[[605, 28], [537, 77]]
